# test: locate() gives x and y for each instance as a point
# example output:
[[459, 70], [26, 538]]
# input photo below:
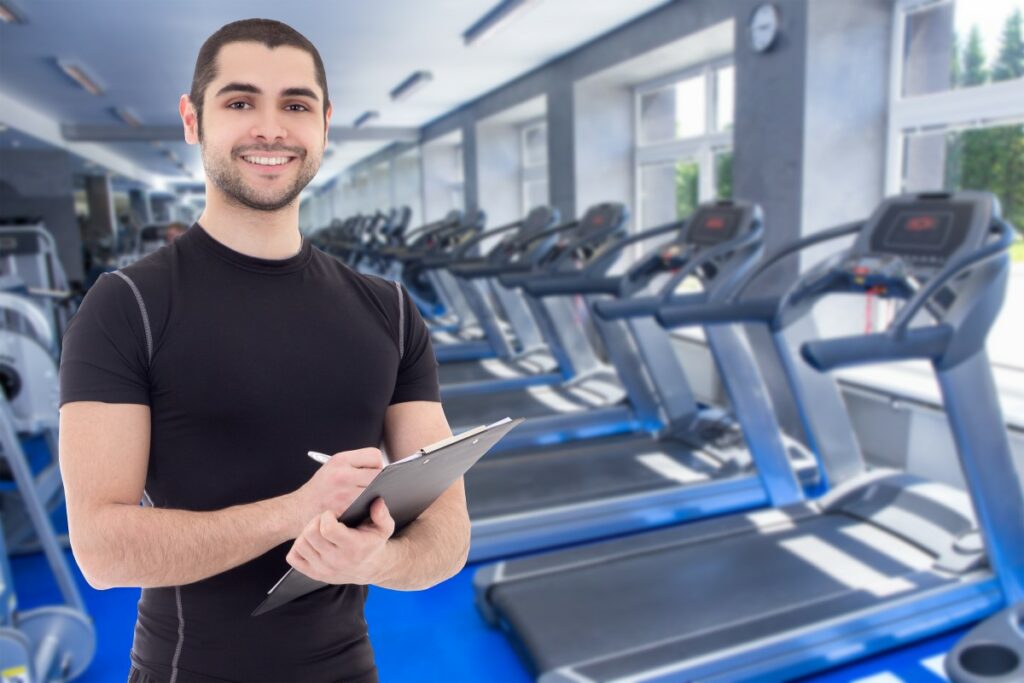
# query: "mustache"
[[268, 149]]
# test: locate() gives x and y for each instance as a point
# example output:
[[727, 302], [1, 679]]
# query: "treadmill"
[[599, 401], [699, 464], [533, 362], [883, 559]]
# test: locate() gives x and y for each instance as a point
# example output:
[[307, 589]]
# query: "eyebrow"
[[253, 90]]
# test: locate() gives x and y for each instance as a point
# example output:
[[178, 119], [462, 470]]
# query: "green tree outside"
[[990, 158], [687, 176]]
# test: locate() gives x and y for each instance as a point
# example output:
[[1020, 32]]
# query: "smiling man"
[[196, 380]]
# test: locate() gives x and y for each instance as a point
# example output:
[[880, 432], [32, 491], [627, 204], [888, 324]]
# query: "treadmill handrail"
[[799, 245], [473, 241], [602, 260], [899, 326], [750, 238]]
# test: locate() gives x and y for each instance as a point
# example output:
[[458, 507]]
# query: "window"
[[534, 167], [957, 120], [951, 44], [684, 142]]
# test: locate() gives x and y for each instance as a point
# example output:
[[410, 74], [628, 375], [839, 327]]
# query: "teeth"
[[267, 161]]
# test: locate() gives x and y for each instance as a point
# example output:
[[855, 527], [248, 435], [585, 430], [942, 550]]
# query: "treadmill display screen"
[[713, 227], [923, 230]]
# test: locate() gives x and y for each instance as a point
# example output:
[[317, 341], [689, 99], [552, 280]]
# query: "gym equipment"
[[883, 559], [53, 643], [698, 464]]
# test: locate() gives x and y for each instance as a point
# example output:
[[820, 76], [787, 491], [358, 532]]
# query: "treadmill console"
[[924, 231], [716, 223]]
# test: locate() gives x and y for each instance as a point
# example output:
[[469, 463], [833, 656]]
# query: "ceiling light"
[[8, 15], [410, 85], [365, 118], [496, 19], [76, 73], [128, 117]]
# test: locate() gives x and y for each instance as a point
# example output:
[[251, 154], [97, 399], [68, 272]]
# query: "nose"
[[269, 127]]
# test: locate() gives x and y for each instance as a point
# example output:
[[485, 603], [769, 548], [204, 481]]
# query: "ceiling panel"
[[143, 54]]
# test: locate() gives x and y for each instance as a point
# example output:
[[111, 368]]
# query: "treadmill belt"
[[471, 410], [738, 586], [579, 473], [476, 371]]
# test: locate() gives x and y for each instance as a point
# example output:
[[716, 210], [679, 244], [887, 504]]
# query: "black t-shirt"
[[246, 365]]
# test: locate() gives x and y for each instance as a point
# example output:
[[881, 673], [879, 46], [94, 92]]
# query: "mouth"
[[267, 162]]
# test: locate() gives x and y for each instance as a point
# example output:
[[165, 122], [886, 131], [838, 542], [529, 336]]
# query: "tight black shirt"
[[247, 364]]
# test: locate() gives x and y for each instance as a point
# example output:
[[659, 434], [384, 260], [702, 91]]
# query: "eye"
[[296, 107], [239, 106]]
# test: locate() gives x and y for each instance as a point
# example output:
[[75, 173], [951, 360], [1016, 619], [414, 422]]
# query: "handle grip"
[[925, 342]]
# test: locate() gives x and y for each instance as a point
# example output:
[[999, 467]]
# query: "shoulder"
[[378, 291]]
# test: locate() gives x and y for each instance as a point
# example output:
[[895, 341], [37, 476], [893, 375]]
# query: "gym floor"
[[425, 637]]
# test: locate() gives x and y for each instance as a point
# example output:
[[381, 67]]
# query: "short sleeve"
[[417, 370], [104, 355]]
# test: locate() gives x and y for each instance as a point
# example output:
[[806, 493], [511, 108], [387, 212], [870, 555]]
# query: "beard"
[[228, 177]]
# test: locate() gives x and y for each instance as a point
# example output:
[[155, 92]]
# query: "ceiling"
[[143, 53]]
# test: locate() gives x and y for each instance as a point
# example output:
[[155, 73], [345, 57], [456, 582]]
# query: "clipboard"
[[408, 486]]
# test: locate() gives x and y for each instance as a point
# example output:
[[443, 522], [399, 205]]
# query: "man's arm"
[[428, 551], [104, 455]]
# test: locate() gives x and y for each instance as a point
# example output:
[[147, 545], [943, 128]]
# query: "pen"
[[319, 457]]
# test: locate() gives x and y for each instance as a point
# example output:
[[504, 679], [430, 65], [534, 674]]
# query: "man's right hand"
[[335, 485]]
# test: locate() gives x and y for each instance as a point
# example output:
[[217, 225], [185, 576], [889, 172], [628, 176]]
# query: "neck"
[[270, 235]]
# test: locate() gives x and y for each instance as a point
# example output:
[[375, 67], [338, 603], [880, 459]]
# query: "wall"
[[37, 183]]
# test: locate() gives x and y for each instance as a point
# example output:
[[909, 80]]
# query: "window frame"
[[700, 149], [532, 173]]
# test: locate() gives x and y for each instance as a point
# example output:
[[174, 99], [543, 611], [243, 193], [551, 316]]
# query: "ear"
[[189, 120], [327, 121]]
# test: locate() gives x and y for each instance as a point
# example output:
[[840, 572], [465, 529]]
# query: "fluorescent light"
[[128, 117], [8, 15], [365, 118], [496, 19], [76, 73], [411, 84]]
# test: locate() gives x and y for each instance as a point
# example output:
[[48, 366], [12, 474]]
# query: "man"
[[197, 379]]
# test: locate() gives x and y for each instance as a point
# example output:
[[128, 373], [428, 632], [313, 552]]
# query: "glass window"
[[535, 145], [668, 191], [723, 174], [535, 193], [954, 44], [725, 95], [674, 112], [992, 159]]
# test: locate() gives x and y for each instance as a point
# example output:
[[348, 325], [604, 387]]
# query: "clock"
[[764, 27]]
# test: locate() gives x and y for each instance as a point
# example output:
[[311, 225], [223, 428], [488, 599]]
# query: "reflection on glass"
[[723, 174], [962, 44], [691, 108], [725, 96], [676, 111], [668, 192], [989, 159], [535, 145], [535, 193]]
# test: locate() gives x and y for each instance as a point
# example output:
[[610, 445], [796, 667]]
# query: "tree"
[[1010, 61], [974, 71], [686, 188]]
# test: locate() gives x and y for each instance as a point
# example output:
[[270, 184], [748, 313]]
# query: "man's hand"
[[331, 552], [335, 486]]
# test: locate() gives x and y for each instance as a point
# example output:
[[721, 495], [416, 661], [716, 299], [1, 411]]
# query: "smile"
[[267, 161]]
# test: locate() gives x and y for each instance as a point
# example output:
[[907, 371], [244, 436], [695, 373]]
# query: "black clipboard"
[[408, 486]]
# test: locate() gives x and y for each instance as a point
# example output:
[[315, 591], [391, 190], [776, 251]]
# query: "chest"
[[238, 358]]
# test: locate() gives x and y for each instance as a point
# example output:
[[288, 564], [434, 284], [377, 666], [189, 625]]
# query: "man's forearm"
[[147, 547], [431, 549]]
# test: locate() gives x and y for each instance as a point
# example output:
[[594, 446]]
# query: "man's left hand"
[[331, 552]]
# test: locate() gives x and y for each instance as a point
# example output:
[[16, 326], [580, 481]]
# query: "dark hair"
[[265, 31]]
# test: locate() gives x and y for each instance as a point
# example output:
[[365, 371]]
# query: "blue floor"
[[433, 635]]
